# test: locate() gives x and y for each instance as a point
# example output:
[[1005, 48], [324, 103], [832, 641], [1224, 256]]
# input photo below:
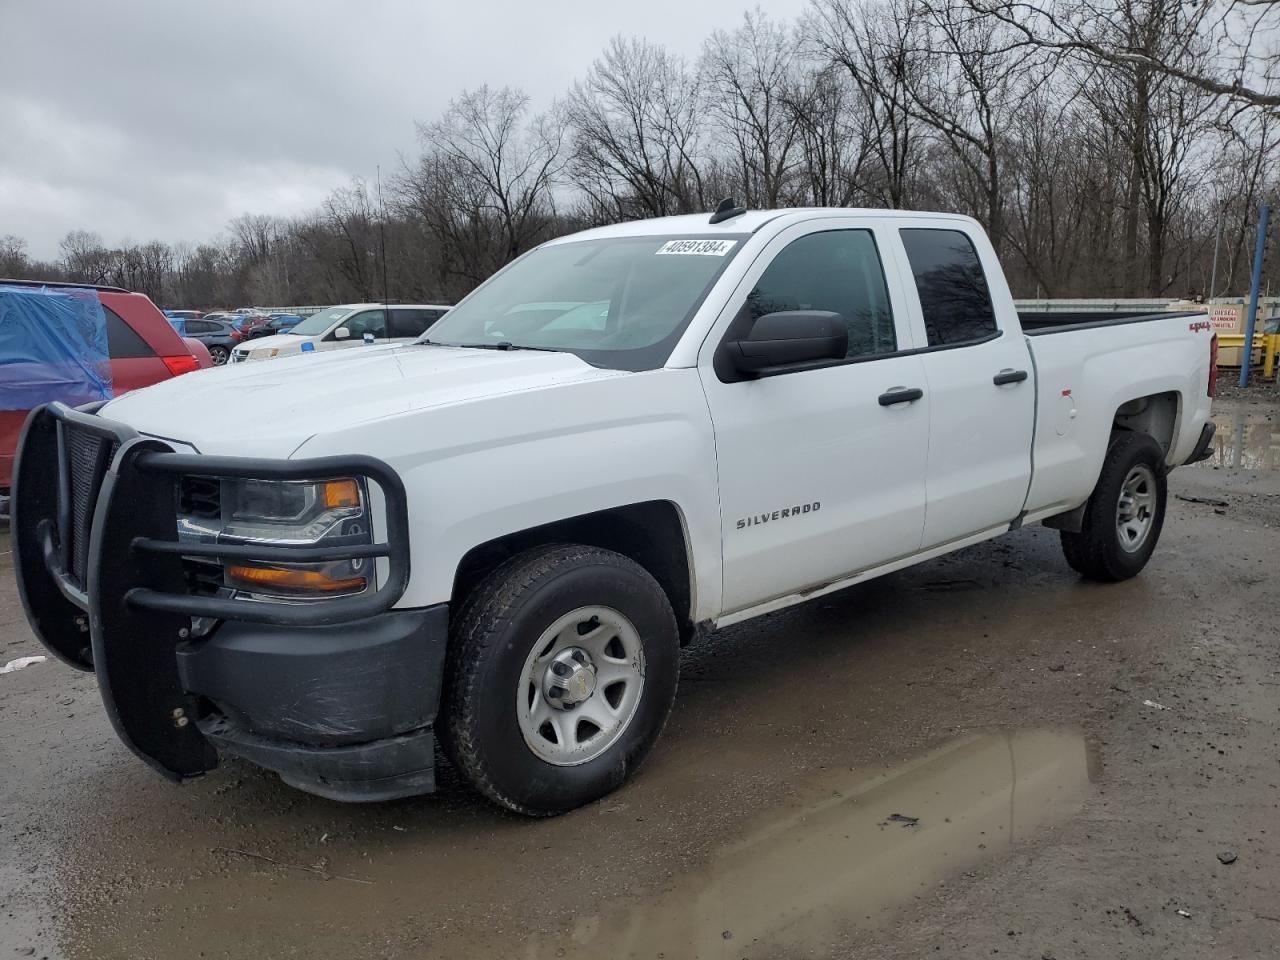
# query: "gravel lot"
[[982, 755]]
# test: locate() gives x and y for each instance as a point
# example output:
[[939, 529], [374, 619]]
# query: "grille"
[[88, 455]]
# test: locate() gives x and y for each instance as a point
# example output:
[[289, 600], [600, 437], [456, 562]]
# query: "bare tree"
[[832, 144], [486, 161], [748, 73], [84, 256], [255, 232], [13, 256], [637, 133], [874, 42], [1240, 35], [968, 87]]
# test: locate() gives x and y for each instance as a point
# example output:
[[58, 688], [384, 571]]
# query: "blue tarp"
[[53, 346]]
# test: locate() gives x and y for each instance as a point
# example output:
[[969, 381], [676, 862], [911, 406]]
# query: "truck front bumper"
[[344, 711], [338, 695]]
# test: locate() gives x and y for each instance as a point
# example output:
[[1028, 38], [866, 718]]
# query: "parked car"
[[624, 440], [349, 325], [218, 335], [249, 324], [224, 317], [143, 349], [280, 323], [199, 351]]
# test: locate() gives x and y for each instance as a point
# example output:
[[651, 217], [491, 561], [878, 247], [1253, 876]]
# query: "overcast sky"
[[162, 119]]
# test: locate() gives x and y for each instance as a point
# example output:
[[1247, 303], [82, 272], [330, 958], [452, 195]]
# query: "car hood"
[[284, 342], [270, 409]]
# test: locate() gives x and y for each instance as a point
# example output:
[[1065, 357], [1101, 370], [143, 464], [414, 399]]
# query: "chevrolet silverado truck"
[[499, 536]]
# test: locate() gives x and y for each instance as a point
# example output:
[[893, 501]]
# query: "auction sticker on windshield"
[[706, 248]]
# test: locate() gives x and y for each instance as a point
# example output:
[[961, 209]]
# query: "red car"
[[143, 346]]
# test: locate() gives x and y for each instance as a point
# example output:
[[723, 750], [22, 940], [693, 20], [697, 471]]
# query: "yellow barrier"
[[1268, 343]]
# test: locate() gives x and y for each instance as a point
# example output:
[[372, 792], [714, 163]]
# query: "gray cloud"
[[162, 119]]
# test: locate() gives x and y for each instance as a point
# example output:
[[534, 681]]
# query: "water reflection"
[[1248, 441], [802, 878]]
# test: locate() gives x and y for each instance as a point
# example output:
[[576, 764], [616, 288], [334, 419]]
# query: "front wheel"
[[1125, 514], [562, 671]]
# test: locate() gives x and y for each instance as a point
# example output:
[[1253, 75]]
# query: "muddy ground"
[[1066, 763]]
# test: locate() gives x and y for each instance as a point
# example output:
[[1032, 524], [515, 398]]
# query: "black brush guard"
[[101, 577]]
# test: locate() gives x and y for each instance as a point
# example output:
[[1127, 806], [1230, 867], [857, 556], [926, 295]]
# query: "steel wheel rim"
[[565, 730], [1136, 508]]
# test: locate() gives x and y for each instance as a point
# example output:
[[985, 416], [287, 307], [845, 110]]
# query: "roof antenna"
[[382, 244], [727, 210]]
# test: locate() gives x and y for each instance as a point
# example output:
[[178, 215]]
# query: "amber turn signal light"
[[300, 580], [341, 493]]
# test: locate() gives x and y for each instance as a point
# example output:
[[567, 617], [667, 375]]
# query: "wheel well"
[[650, 533], [1156, 415]]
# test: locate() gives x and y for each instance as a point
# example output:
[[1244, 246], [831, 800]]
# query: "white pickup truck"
[[501, 535]]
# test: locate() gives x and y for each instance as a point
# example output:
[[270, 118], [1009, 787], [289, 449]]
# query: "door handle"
[[1009, 375], [900, 395]]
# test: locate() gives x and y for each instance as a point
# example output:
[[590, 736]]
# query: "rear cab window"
[[954, 297]]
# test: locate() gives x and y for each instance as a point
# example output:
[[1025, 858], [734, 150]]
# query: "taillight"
[[1213, 365], [237, 336], [181, 364]]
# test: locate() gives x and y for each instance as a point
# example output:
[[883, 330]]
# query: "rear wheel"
[[219, 355], [1125, 514], [562, 671]]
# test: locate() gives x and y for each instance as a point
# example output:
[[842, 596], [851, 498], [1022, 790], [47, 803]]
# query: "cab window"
[[837, 270], [954, 296]]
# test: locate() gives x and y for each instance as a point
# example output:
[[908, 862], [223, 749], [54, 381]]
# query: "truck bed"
[[1035, 323]]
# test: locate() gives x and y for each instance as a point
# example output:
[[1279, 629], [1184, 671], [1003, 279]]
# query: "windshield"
[[621, 303], [318, 323]]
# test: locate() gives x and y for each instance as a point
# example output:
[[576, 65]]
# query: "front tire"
[[1125, 513], [562, 671]]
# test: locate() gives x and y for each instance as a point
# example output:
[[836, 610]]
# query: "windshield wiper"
[[500, 345]]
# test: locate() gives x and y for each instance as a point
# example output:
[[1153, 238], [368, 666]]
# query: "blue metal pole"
[[1264, 214]]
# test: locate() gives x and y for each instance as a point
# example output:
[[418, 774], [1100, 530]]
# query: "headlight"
[[289, 513]]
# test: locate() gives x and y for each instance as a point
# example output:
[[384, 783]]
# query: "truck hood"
[[270, 409]]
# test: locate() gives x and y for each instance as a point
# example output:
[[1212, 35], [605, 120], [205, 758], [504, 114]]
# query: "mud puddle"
[[849, 847], [1246, 440], [798, 882]]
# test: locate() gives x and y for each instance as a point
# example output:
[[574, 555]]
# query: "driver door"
[[819, 477]]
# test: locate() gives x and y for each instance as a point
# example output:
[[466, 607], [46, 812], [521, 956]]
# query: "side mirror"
[[789, 338], [342, 333]]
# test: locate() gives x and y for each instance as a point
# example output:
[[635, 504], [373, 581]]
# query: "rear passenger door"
[[820, 475], [982, 392]]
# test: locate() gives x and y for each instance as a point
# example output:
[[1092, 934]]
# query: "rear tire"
[[219, 355], [1125, 513], [553, 643]]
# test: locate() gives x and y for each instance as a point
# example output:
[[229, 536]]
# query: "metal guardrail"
[[296, 311]]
